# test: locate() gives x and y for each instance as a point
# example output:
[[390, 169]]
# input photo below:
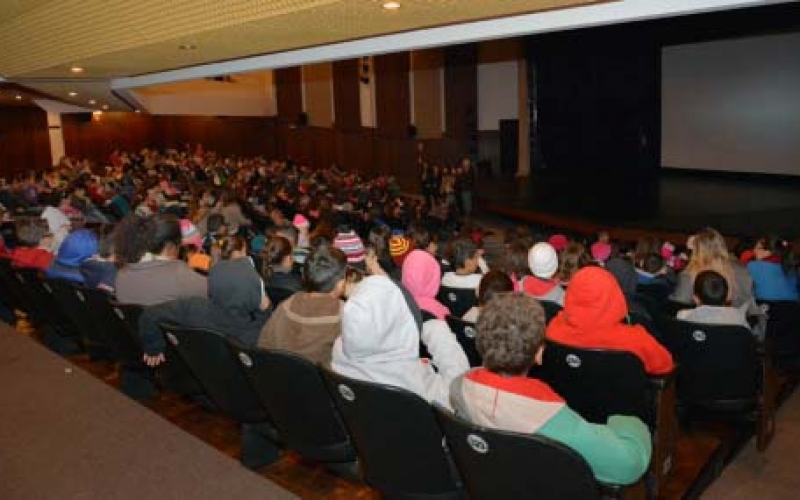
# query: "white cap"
[[543, 260]]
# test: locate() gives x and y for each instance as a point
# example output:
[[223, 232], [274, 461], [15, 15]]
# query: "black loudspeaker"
[[83, 117], [302, 119], [412, 130]]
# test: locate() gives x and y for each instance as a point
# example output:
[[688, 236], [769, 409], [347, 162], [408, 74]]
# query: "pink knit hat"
[[601, 251], [558, 241], [300, 221]]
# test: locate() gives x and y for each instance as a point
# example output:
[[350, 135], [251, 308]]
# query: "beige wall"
[[426, 92], [318, 94]]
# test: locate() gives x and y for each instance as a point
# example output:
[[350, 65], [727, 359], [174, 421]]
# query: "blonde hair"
[[710, 253]]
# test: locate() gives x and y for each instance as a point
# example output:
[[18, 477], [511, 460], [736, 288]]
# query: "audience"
[[75, 249], [774, 270], [711, 297], [543, 263], [510, 339], [420, 276], [492, 283], [465, 257]]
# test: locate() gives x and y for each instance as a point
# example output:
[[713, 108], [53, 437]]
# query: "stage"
[[667, 201]]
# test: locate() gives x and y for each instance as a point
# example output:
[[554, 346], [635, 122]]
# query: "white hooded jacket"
[[380, 343]]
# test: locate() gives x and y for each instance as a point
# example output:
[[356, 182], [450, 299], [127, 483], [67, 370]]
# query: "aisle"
[[772, 475]]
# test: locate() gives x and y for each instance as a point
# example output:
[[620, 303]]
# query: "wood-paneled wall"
[[95, 139], [24, 142]]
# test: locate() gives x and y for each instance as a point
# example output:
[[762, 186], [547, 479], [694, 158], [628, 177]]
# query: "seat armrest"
[[665, 432]]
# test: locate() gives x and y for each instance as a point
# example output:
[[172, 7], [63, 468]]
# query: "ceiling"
[[111, 38], [123, 44]]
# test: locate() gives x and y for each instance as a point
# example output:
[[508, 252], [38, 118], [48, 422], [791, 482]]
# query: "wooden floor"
[[699, 457]]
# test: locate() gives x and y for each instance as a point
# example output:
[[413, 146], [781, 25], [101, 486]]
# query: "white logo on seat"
[[80, 296], [347, 393], [469, 332], [47, 288], [172, 338], [573, 361], [477, 443], [245, 360], [699, 335], [119, 313], [452, 297]]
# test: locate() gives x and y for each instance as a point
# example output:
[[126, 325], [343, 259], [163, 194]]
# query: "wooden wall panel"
[[24, 141], [288, 93], [355, 151], [318, 83], [347, 102], [427, 103], [461, 89], [392, 94]]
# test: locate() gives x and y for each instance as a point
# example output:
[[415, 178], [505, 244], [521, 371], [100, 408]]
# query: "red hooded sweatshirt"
[[593, 317]]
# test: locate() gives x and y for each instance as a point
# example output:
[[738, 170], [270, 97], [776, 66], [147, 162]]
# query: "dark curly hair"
[[324, 267], [510, 331], [273, 253], [132, 238]]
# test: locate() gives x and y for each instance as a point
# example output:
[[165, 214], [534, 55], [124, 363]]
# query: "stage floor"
[[670, 200]]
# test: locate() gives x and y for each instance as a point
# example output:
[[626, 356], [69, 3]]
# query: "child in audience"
[[774, 270], [77, 247], [713, 307], [465, 257], [35, 250], [510, 338], [543, 262], [216, 230], [594, 316], [492, 283], [308, 322], [420, 276], [381, 338]]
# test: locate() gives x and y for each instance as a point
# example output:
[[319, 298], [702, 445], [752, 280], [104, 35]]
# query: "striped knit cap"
[[351, 245]]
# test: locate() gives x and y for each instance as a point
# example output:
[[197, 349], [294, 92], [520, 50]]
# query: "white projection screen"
[[732, 105]]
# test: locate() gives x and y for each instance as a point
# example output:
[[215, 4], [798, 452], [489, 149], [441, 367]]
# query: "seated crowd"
[[347, 271]]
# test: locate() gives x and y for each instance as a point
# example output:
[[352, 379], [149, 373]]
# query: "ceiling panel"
[[112, 38]]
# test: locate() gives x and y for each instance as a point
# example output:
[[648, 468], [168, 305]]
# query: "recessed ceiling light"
[[92, 102], [187, 46], [73, 94], [138, 110], [76, 69], [97, 113], [391, 5], [18, 97], [105, 106]]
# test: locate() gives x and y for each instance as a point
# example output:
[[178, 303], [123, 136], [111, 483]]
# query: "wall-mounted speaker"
[[83, 117], [302, 119]]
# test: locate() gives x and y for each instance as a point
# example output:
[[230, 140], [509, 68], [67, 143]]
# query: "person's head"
[[233, 247], [516, 259], [543, 260], [215, 224], [776, 248], [710, 289], [31, 235], [494, 282], [277, 253], [324, 270], [235, 287], [510, 333], [167, 236], [421, 274], [133, 238], [288, 232], [464, 255], [421, 238], [573, 258], [653, 263]]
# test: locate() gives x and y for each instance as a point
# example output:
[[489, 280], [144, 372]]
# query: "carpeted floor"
[[772, 475]]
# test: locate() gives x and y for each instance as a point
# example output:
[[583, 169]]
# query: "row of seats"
[[331, 419]]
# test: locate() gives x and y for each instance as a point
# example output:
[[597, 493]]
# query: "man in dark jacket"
[[236, 307]]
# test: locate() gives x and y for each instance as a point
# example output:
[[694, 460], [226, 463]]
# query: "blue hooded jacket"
[[77, 246]]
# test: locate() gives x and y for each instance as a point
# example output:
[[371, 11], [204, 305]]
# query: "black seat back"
[[457, 300], [10, 289], [598, 383], [398, 440], [719, 366], [509, 466], [293, 391], [62, 335], [277, 295], [551, 309], [216, 368], [72, 300], [783, 333], [465, 334]]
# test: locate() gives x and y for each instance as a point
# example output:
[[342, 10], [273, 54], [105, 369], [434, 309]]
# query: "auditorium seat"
[[783, 334], [465, 334], [723, 373], [399, 443], [215, 366], [458, 300], [551, 309], [510, 466], [598, 383], [61, 334], [294, 393], [71, 298]]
